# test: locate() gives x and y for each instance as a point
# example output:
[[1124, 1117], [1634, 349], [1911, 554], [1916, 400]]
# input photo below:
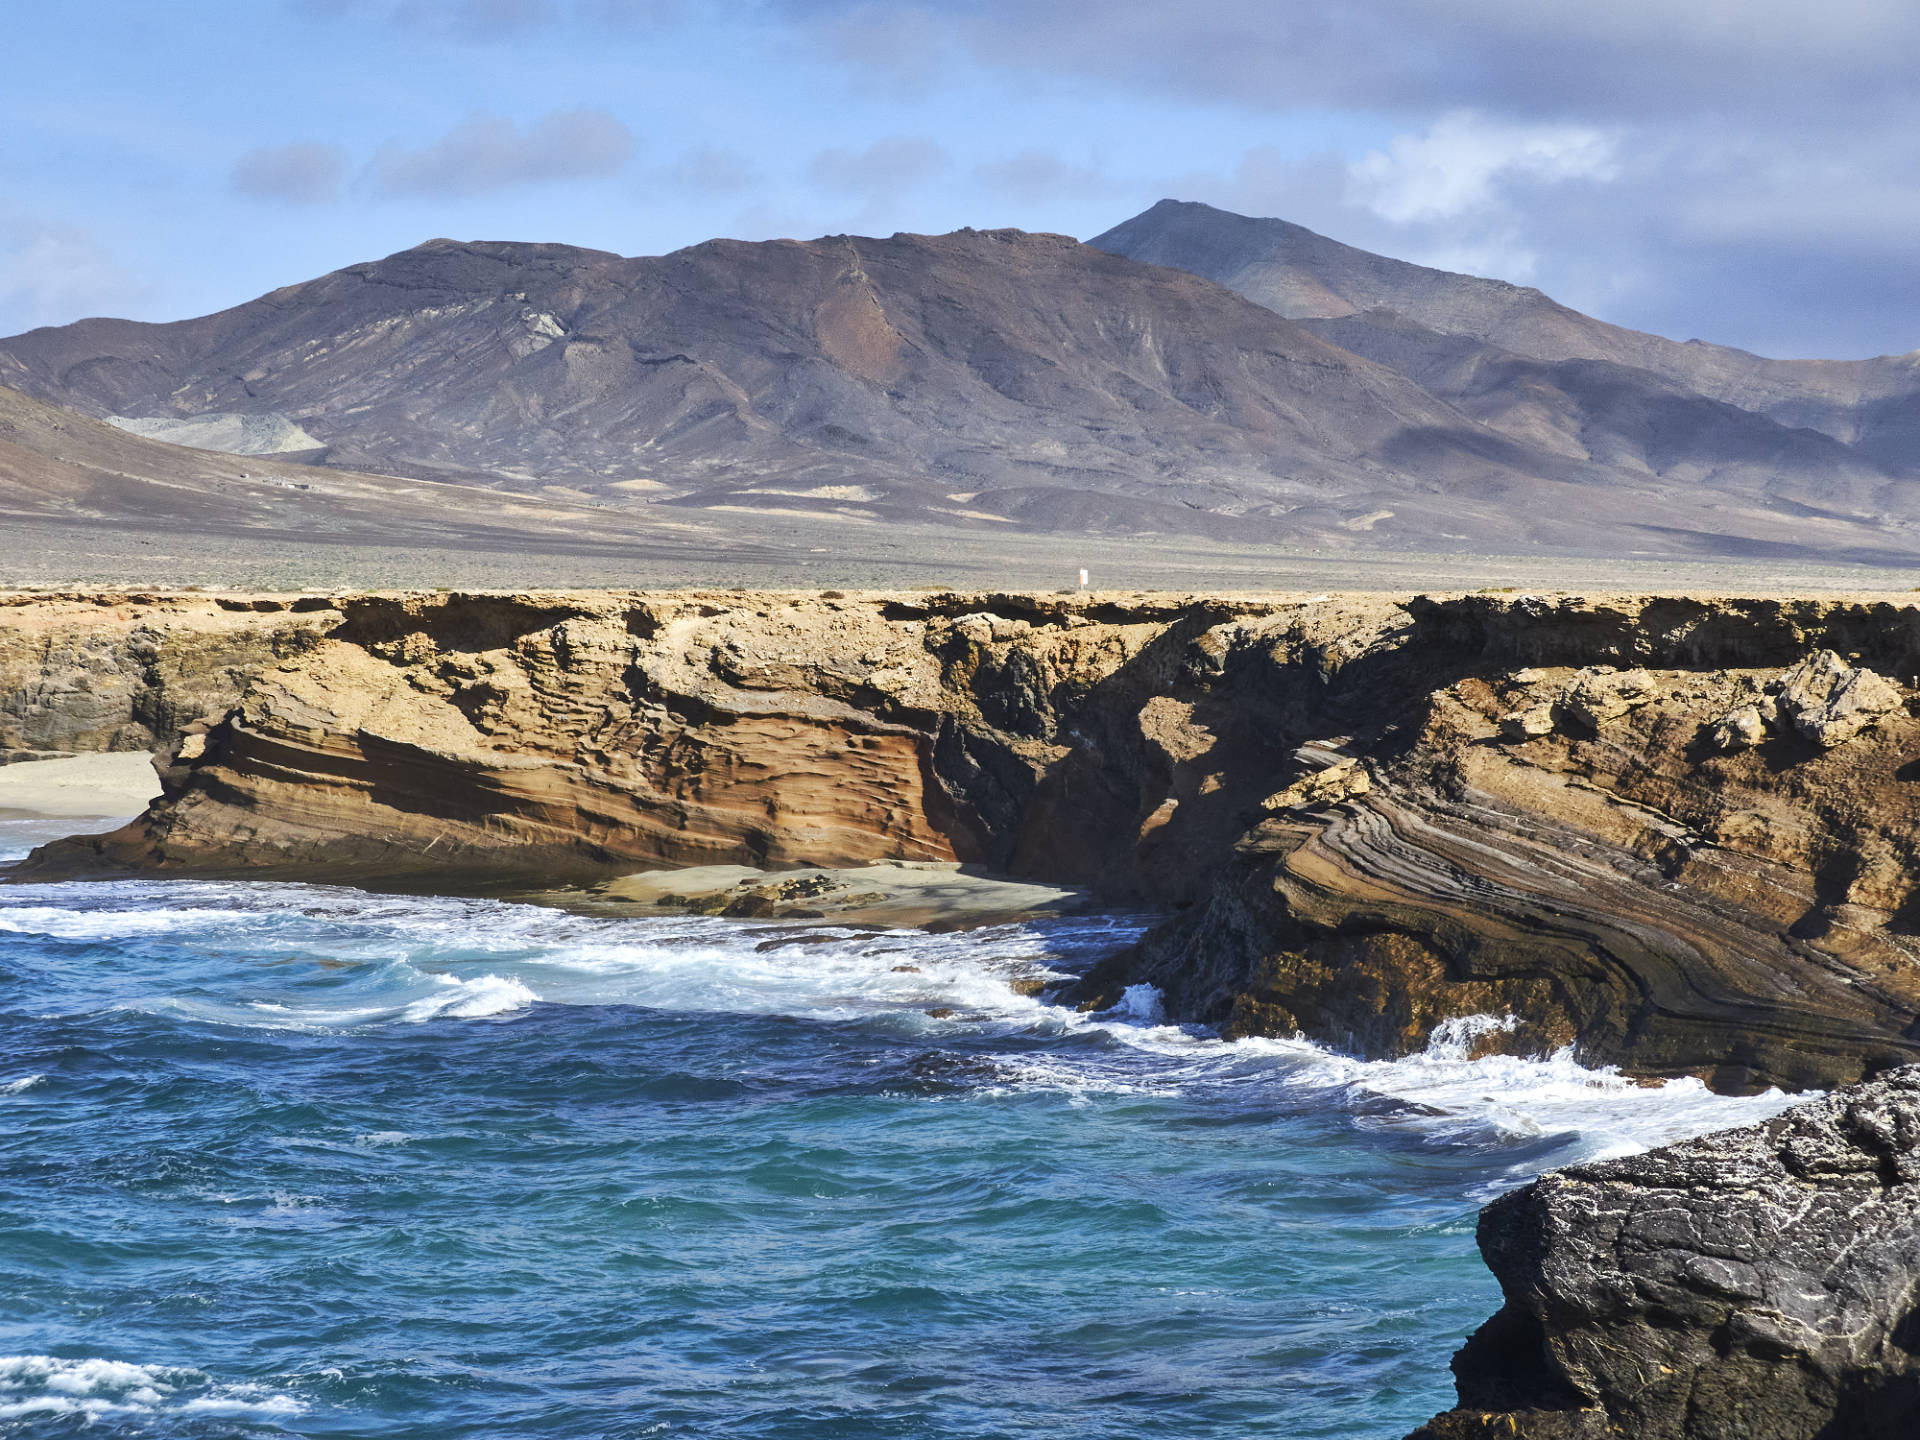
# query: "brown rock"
[[1528, 724], [1740, 729]]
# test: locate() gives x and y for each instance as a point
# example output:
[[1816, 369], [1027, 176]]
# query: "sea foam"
[[92, 1387]]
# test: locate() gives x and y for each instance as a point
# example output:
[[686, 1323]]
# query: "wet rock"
[[1758, 1284]]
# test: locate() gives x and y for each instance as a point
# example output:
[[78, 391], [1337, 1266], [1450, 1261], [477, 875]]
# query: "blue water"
[[303, 1160]]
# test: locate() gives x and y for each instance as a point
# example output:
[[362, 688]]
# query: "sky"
[[1745, 171]]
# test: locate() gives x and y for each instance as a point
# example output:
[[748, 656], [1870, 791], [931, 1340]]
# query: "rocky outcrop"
[[544, 735], [128, 671], [1758, 1284], [1365, 817]]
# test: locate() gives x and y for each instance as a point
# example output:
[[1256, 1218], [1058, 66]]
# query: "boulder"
[[1758, 1284], [1740, 729], [1528, 724], [1600, 697], [1828, 701]]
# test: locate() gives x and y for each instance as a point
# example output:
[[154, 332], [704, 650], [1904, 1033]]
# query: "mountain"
[[993, 380], [997, 374], [1873, 406], [63, 469]]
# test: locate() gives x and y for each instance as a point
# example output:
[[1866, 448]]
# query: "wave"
[[276, 956], [47, 1385]]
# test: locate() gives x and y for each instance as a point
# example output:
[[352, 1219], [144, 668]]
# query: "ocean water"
[[283, 1159]]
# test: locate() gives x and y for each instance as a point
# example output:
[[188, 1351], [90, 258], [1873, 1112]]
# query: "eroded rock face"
[[1758, 1284], [128, 671], [1328, 793]]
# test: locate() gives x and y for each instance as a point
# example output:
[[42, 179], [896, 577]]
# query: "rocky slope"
[[1361, 299], [987, 380], [1678, 834], [60, 468], [1759, 1284], [1819, 438], [887, 375]]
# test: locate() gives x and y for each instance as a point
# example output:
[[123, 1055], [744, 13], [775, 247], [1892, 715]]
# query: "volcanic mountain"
[[990, 379], [1520, 360]]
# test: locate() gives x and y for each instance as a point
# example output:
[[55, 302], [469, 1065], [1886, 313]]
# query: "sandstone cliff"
[[126, 671], [1758, 1284], [1364, 816]]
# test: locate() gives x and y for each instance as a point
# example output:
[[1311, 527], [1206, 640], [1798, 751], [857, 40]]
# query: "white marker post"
[[1083, 579]]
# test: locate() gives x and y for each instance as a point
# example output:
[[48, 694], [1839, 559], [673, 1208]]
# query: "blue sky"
[[1740, 170]]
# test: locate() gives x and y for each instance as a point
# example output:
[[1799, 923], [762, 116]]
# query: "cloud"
[[883, 168], [1037, 175], [1604, 57], [1458, 165], [486, 153], [305, 174], [711, 170], [52, 274]]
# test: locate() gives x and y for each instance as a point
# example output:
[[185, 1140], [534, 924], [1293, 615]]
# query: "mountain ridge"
[[983, 379], [1284, 266]]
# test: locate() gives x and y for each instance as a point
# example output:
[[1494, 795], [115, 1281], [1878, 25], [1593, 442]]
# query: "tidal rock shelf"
[[1677, 834]]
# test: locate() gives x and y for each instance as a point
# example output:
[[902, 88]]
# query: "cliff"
[[107, 670], [1646, 827], [1758, 1284]]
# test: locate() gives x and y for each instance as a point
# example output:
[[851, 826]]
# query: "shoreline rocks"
[[1756, 1284]]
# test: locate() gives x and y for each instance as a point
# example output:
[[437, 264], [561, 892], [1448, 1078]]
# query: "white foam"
[[471, 999], [25, 1082], [94, 1387], [1140, 1005], [1442, 1095], [352, 960]]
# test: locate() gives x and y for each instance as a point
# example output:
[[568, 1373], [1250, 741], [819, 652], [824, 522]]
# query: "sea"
[[284, 1159]]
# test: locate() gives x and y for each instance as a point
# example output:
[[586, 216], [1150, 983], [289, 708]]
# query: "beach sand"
[[114, 786]]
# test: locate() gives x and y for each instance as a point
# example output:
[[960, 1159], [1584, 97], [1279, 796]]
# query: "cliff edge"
[[1677, 834]]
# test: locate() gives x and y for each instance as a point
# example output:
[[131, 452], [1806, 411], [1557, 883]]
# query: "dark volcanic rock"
[[1758, 1284]]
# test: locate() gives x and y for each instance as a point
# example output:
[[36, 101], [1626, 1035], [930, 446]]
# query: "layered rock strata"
[[107, 670], [1758, 1284], [1365, 816]]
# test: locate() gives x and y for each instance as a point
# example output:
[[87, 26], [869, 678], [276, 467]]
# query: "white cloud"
[[52, 274], [883, 168], [712, 170], [1458, 166], [1037, 175], [486, 152], [306, 174]]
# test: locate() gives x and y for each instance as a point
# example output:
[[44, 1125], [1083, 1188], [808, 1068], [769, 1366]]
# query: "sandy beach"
[[115, 786]]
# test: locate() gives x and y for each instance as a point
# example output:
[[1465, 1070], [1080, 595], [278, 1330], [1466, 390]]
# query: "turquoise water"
[[303, 1160]]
